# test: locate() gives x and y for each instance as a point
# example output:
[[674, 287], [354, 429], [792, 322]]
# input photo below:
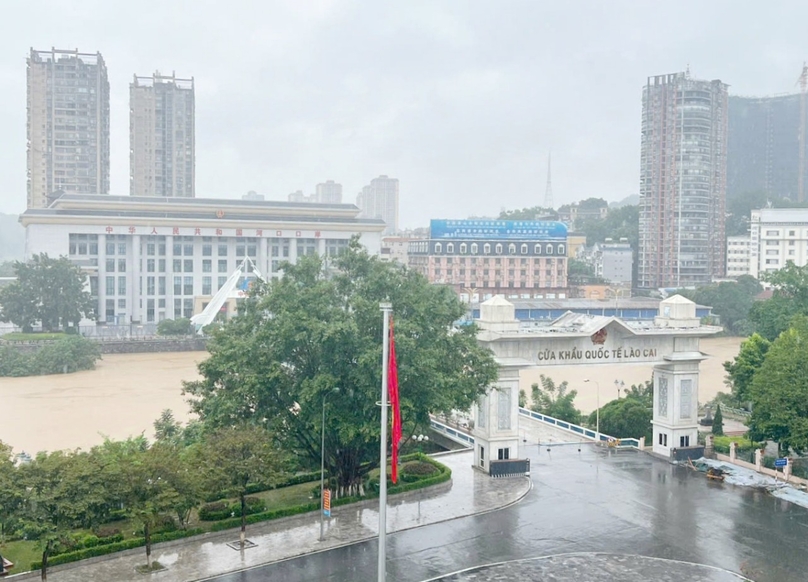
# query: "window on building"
[[187, 285], [206, 286], [161, 265], [178, 265], [503, 454], [512, 249], [121, 304], [438, 248], [207, 266], [187, 308], [222, 281], [306, 246], [222, 267], [121, 248], [561, 250], [684, 441], [110, 286], [121, 285], [150, 310], [177, 308], [110, 305], [536, 249], [463, 248], [150, 287], [150, 265], [110, 248], [222, 249], [498, 249], [122, 265], [474, 248], [161, 286], [487, 248], [523, 249], [450, 248], [207, 250], [772, 233], [110, 265], [151, 249]]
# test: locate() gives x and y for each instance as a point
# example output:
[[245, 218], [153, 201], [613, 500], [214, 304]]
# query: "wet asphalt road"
[[592, 501]]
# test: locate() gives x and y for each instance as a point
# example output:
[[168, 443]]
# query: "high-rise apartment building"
[[162, 137], [68, 124], [683, 171], [328, 193], [380, 200], [763, 148]]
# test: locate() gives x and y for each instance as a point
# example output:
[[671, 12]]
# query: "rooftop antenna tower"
[[548, 191], [803, 82]]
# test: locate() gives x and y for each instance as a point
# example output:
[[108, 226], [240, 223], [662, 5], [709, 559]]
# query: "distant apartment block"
[[614, 261], [68, 124], [328, 192], [683, 167], [162, 154], [379, 199], [738, 255], [778, 235], [396, 248]]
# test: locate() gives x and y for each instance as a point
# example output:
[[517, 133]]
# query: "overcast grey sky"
[[459, 100]]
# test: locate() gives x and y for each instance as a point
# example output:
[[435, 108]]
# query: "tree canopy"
[[527, 213], [742, 369], [319, 328], [554, 400], [49, 291], [628, 417], [789, 298], [730, 300], [779, 391]]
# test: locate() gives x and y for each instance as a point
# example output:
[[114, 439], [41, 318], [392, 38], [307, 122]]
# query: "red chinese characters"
[[154, 230], [316, 234], [259, 232], [238, 232], [132, 230], [278, 233], [175, 230], [218, 232], [197, 231], [108, 229], [298, 233]]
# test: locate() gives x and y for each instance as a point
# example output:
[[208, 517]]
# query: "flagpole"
[[386, 309]]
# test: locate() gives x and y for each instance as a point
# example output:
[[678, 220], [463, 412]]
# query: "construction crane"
[[803, 82]]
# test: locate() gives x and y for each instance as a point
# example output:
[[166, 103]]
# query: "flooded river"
[[126, 392]]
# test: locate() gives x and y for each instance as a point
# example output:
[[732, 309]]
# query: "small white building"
[[150, 259], [613, 261], [738, 255], [778, 235]]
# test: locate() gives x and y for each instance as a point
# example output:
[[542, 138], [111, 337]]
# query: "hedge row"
[[90, 541], [444, 475], [116, 547]]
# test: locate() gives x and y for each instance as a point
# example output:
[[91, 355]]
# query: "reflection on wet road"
[[620, 502]]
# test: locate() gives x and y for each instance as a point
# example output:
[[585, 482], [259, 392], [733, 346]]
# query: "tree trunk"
[[147, 536], [45, 554], [243, 534]]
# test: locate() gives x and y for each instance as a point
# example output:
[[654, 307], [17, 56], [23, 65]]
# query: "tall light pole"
[[322, 468], [619, 385], [597, 411]]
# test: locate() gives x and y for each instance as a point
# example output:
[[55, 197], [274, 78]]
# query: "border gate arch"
[[670, 341]]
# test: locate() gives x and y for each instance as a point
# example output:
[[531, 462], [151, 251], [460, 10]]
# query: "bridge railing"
[[452, 433], [588, 433]]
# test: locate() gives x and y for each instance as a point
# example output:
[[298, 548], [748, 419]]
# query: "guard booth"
[[670, 342]]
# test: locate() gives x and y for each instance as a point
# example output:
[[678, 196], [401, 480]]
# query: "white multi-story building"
[[380, 200], [778, 235], [150, 259], [613, 261], [737, 255]]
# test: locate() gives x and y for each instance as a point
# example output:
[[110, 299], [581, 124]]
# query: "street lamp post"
[[619, 385], [597, 411], [322, 468]]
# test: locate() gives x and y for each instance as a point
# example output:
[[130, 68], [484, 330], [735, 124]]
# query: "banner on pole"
[[327, 502], [392, 388]]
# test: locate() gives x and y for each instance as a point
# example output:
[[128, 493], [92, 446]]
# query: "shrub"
[[69, 353], [214, 511], [165, 523], [107, 532], [419, 468], [179, 326]]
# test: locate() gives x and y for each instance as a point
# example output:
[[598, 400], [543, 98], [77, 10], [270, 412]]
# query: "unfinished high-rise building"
[[68, 124], [683, 171], [764, 146], [162, 149]]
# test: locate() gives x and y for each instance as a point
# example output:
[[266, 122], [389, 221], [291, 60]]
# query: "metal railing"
[[588, 433], [452, 433]]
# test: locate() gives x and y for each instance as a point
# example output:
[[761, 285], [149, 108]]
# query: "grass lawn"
[[18, 336], [22, 553]]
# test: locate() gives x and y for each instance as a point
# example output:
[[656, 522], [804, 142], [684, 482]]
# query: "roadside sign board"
[[327, 502], [780, 463]]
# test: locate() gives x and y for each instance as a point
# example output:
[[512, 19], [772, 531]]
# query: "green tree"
[[167, 428], [554, 400], [315, 329], [790, 297], [581, 273], [730, 300], [779, 391], [624, 418], [10, 491], [62, 491], [718, 422], [742, 370], [135, 477], [240, 456], [179, 326], [50, 291]]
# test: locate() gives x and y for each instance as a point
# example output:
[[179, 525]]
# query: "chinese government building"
[[523, 259], [150, 259]]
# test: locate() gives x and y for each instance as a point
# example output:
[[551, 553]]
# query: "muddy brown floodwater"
[[126, 392], [121, 397]]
